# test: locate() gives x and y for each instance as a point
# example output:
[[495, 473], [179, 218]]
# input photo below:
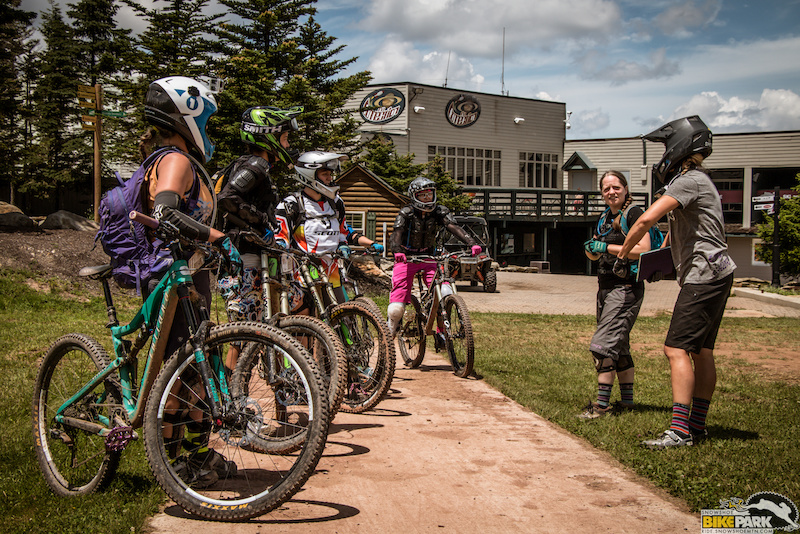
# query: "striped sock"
[[680, 419], [626, 391], [697, 420], [604, 394]]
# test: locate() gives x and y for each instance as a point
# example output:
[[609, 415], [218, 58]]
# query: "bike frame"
[[157, 311]]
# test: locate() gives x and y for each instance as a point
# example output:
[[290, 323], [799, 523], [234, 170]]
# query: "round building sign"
[[462, 111], [382, 105]]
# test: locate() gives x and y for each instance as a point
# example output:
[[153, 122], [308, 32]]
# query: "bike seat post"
[[111, 310]]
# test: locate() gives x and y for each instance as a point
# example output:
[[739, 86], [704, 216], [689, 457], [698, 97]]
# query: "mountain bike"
[[438, 305], [87, 404], [277, 291], [363, 332]]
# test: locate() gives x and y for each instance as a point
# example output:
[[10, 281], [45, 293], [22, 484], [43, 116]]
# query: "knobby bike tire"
[[74, 461], [326, 348], [259, 482], [458, 335], [369, 303], [370, 355], [411, 334]]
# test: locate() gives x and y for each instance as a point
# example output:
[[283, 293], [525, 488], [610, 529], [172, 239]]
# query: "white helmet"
[[310, 162], [182, 105]]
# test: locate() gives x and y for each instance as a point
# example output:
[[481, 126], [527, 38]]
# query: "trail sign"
[[764, 198], [764, 207]]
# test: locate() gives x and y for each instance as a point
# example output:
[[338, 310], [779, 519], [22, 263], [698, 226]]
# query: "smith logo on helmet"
[[256, 129]]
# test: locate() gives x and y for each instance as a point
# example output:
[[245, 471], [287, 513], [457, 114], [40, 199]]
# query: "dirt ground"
[[439, 454]]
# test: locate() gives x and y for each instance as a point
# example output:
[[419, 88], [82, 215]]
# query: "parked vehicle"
[[472, 268]]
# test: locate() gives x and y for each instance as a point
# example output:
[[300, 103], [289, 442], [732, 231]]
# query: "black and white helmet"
[[309, 163], [418, 185], [182, 105], [682, 138]]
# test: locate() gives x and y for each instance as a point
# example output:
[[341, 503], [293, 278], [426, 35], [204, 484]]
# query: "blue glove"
[[345, 251], [269, 236], [376, 247], [230, 255], [595, 247]]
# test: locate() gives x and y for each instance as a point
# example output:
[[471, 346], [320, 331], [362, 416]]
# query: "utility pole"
[[92, 97], [776, 240]]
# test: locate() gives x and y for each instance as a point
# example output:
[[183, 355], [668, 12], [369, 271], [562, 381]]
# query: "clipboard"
[[655, 261]]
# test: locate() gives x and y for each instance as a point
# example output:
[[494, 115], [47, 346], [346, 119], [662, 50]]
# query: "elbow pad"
[[166, 208]]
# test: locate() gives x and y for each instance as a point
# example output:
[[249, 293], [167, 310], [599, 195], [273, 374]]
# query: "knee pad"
[[394, 314], [625, 362], [602, 364]]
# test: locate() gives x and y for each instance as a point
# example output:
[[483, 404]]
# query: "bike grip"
[[143, 219]]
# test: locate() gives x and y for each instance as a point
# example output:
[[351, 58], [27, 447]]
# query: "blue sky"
[[623, 67]]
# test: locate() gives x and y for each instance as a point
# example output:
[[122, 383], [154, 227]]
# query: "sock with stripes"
[[604, 394], [697, 419], [680, 419], [626, 391]]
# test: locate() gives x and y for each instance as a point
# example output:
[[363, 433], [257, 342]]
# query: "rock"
[[16, 221], [5, 207], [65, 220]]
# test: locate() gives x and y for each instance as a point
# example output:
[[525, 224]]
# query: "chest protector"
[[419, 234]]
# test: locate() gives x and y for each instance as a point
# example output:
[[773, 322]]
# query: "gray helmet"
[[422, 184], [682, 138], [309, 163]]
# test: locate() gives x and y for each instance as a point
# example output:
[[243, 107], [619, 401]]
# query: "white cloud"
[[624, 71], [398, 61], [681, 20], [474, 28], [589, 121], [776, 110]]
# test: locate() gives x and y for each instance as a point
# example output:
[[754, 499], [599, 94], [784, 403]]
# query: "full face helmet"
[[182, 105], [682, 138], [262, 126], [417, 186], [310, 162]]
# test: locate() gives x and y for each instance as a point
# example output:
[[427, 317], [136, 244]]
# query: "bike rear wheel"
[[370, 355], [176, 414], [411, 334], [324, 345], [74, 461], [458, 334]]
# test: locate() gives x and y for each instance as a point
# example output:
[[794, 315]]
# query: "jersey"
[[315, 227], [605, 231]]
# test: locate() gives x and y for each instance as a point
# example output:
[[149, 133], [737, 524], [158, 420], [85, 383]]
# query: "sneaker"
[[439, 341], [214, 461], [668, 439], [622, 407], [594, 410], [697, 437], [193, 476]]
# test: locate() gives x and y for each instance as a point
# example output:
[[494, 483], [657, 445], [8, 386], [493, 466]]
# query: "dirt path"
[[442, 454]]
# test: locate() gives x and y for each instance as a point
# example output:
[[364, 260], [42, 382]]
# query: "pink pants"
[[403, 279]]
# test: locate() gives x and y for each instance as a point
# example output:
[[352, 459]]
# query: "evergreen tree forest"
[[269, 52]]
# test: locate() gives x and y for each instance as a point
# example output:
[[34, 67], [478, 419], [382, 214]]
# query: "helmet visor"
[[426, 195]]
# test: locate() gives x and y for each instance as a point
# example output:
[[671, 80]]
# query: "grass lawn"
[[540, 361]]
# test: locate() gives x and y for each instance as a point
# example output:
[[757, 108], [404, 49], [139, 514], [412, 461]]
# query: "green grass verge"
[[29, 322], [543, 363]]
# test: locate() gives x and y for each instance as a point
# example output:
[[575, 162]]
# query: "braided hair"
[[628, 198]]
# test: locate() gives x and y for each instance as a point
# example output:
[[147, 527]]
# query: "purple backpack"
[[134, 258]]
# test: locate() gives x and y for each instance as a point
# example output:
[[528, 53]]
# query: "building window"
[[356, 220], [538, 170], [469, 166], [730, 184]]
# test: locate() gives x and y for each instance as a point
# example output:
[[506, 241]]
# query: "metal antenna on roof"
[[503, 68], [447, 70]]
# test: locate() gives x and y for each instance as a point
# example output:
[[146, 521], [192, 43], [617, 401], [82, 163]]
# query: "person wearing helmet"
[[704, 269], [313, 219], [248, 201], [177, 109], [415, 229]]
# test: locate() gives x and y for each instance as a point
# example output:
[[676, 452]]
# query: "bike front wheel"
[[370, 355], [327, 350], [411, 334], [74, 459], [458, 335], [203, 462]]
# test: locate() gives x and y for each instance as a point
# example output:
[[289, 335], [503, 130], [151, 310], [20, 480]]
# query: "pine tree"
[[58, 143], [15, 44]]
